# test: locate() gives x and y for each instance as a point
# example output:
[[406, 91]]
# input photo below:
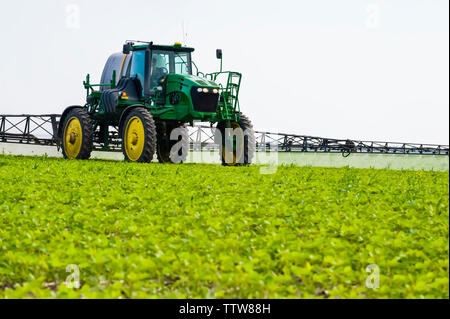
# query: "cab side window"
[[137, 67]]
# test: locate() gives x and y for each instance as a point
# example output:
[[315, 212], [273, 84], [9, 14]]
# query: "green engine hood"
[[192, 80]]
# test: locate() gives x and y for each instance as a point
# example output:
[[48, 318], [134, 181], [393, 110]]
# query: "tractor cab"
[[160, 75], [165, 62], [151, 64]]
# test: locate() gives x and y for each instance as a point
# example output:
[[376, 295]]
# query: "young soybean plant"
[[148, 93]]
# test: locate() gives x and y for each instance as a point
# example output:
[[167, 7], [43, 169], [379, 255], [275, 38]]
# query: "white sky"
[[345, 69]]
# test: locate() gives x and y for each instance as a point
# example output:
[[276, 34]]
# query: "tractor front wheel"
[[172, 143], [77, 138], [139, 136], [242, 148]]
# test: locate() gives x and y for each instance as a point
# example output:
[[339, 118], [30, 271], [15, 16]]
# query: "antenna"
[[184, 33]]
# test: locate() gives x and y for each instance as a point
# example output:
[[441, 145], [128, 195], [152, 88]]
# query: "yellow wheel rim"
[[134, 138], [236, 153], [73, 137]]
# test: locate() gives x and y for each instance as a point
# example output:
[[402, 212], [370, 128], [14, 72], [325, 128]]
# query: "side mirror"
[[219, 53], [126, 48]]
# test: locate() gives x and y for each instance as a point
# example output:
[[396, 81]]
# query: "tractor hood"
[[192, 80], [199, 93]]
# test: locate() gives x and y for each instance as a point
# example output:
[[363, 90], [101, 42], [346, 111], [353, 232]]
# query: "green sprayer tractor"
[[148, 94]]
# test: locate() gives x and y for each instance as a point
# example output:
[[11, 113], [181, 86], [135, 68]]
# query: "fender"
[[62, 119], [124, 115]]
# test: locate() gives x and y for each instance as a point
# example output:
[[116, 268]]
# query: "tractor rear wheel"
[[77, 138], [242, 153], [172, 151], [139, 136]]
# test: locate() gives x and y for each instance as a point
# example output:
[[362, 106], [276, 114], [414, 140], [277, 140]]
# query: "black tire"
[[87, 131], [149, 144], [248, 153], [164, 151]]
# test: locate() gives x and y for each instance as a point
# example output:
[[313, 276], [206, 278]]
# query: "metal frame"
[[303, 143], [29, 129], [42, 130]]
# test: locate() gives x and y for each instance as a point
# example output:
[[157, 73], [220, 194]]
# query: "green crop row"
[[207, 231]]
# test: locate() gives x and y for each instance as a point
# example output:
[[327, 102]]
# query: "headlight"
[[215, 91], [199, 90], [205, 90]]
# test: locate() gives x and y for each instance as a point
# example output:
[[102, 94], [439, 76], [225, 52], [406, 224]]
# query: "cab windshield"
[[165, 62]]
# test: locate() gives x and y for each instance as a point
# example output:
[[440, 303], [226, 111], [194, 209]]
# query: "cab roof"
[[175, 47]]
